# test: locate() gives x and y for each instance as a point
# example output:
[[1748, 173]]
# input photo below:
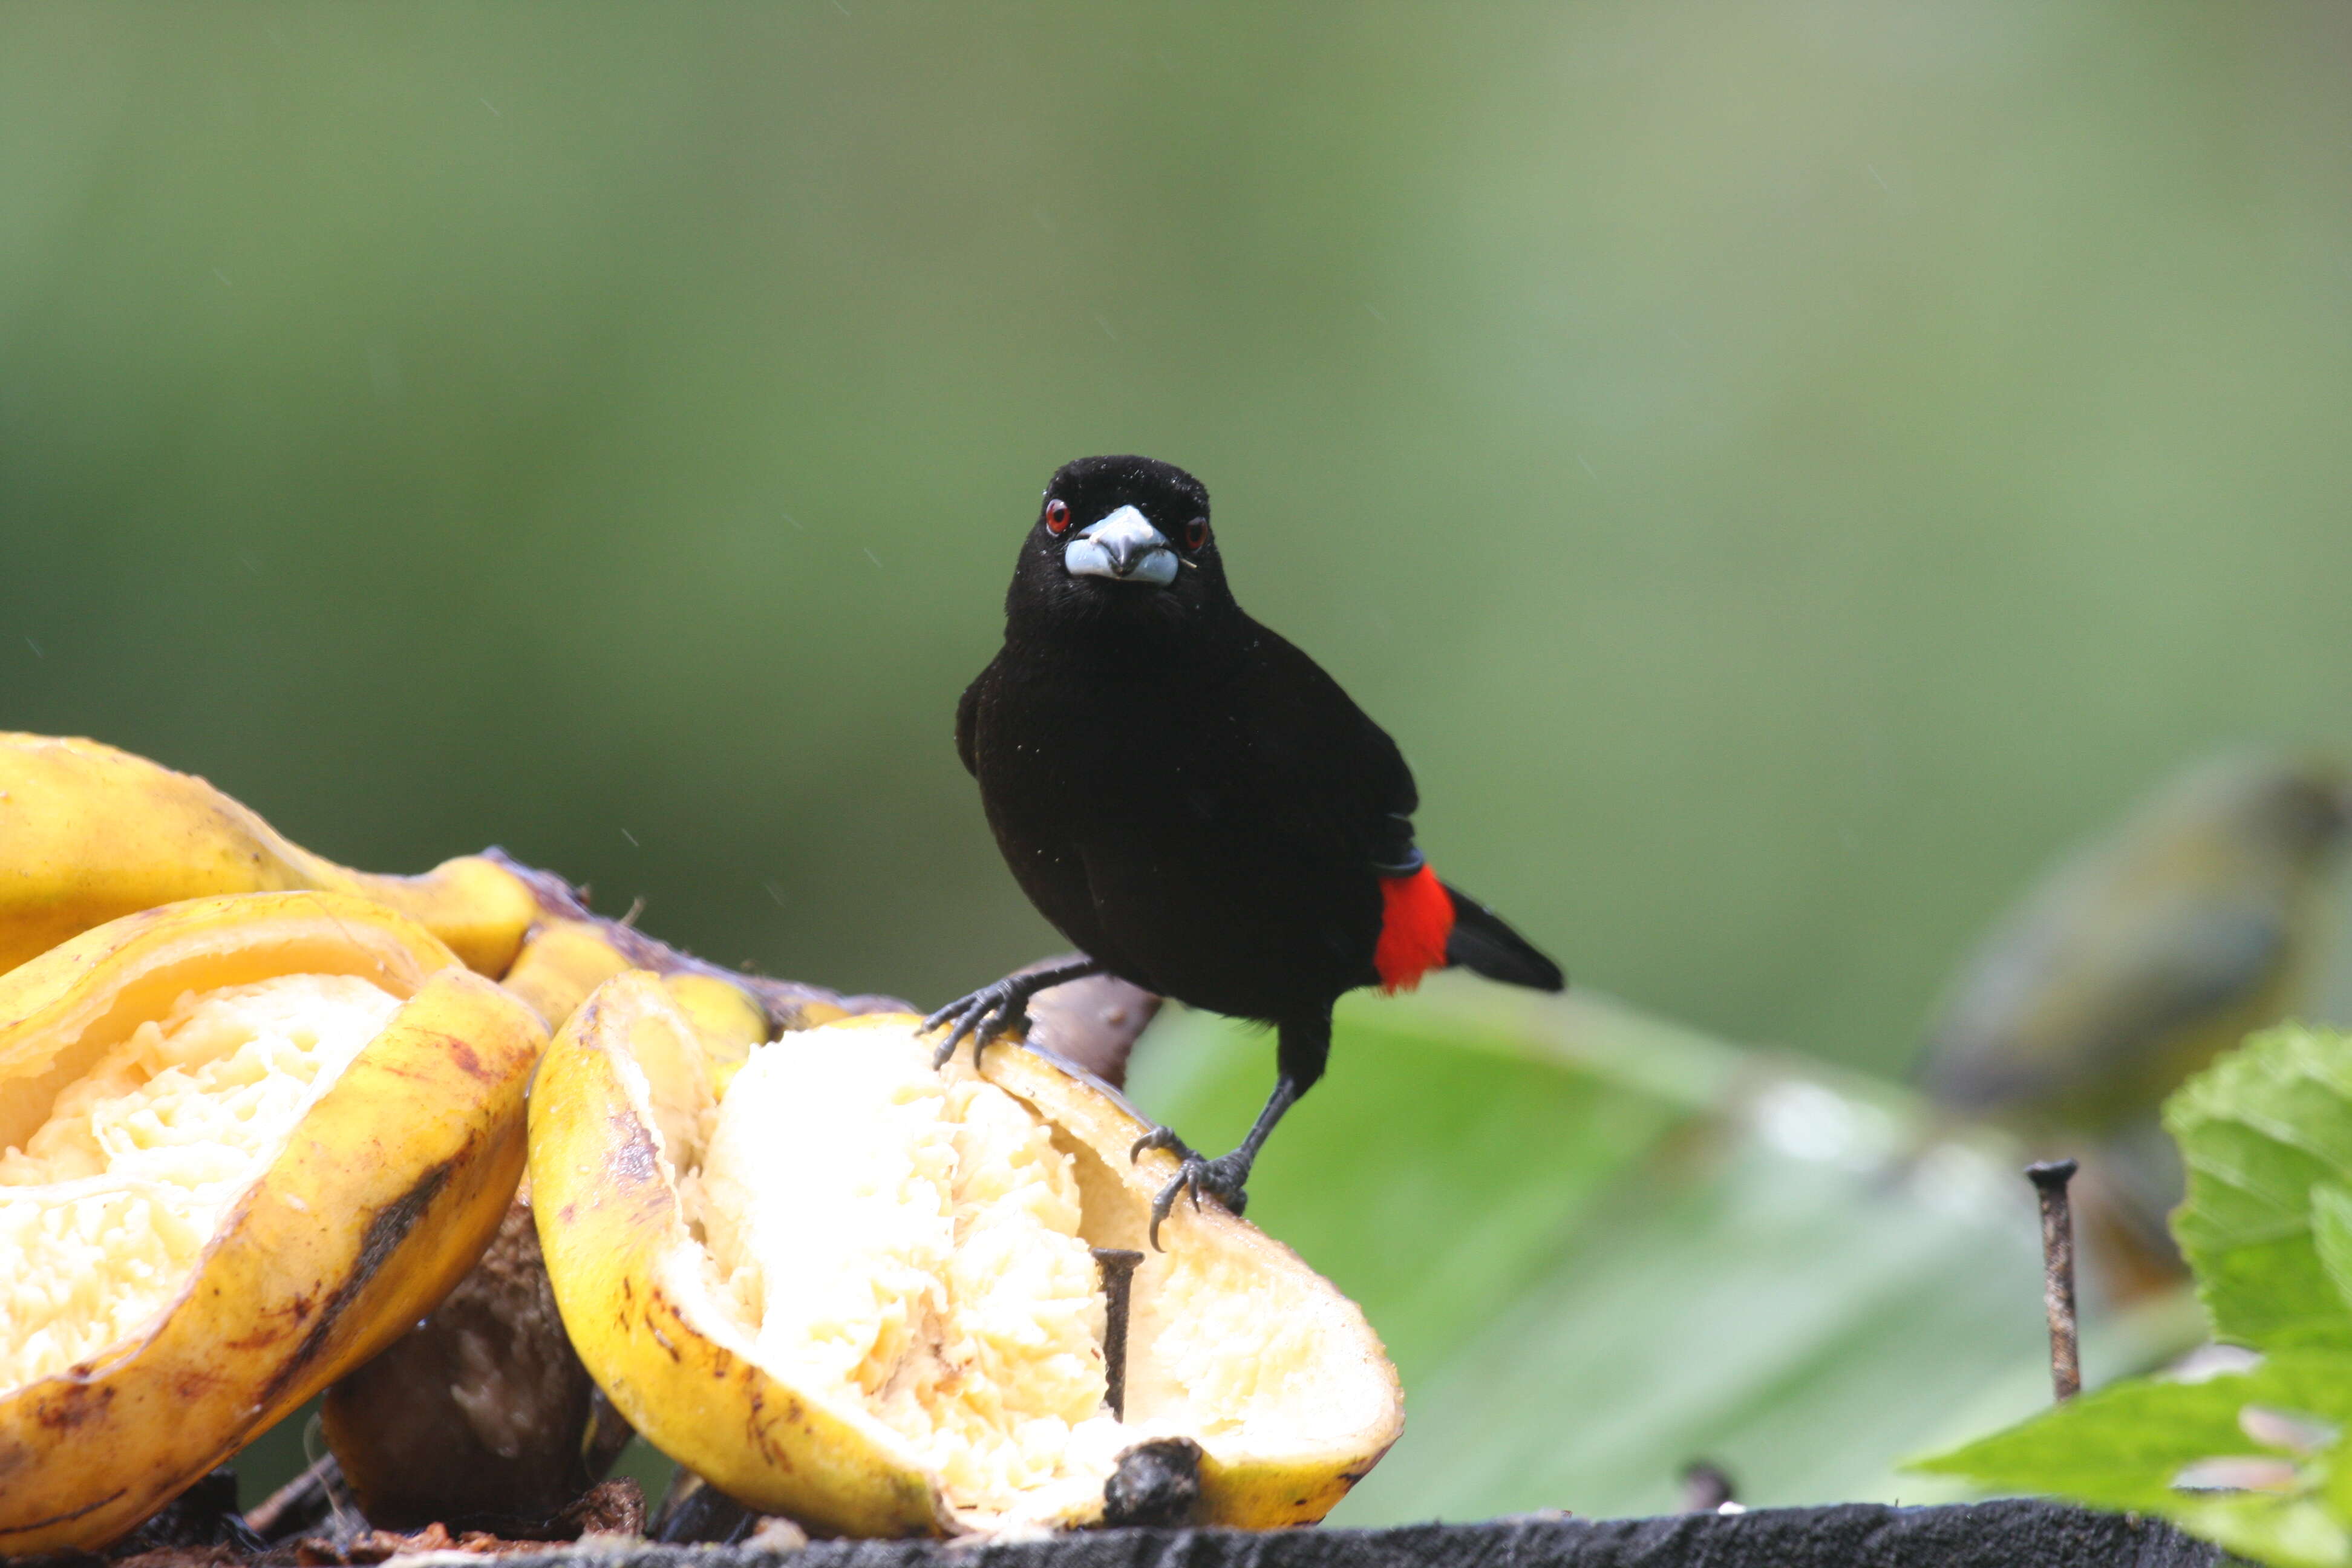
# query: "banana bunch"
[[263, 1132]]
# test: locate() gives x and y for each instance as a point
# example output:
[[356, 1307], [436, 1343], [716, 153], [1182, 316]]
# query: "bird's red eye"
[[1196, 533], [1057, 516]]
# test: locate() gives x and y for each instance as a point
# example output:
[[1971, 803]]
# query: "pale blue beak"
[[1124, 547]]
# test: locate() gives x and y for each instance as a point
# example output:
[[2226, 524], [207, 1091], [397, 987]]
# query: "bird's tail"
[[1482, 943]]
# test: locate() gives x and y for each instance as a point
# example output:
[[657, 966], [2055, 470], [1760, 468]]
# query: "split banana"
[[860, 1293], [244, 1143]]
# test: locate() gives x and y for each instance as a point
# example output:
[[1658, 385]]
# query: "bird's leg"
[[1304, 1047], [1224, 1178], [993, 1010]]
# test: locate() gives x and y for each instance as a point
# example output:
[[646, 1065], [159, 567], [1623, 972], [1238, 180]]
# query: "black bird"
[[1197, 806]]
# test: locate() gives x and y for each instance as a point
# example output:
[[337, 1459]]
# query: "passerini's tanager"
[[1192, 801]]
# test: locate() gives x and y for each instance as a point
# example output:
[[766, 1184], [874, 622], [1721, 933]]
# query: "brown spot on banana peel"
[[758, 1428], [385, 1231], [74, 1404], [255, 1340], [635, 1161], [635, 1168], [471, 1065]]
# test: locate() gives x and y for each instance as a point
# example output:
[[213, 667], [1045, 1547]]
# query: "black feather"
[[1483, 944]]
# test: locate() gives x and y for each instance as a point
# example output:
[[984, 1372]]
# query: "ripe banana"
[[244, 1142], [863, 1298], [88, 834]]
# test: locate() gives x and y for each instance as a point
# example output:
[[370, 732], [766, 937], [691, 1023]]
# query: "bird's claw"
[[984, 1015], [1224, 1178]]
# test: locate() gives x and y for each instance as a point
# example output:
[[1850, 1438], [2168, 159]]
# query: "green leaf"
[[1433, 1172], [2254, 1460], [2258, 1131], [2331, 1233], [2128, 1446], [1600, 1246]]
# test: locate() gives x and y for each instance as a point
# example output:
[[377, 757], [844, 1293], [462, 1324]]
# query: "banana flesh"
[[380, 1197]]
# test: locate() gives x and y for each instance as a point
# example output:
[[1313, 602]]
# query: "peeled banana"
[[244, 1142], [860, 1293]]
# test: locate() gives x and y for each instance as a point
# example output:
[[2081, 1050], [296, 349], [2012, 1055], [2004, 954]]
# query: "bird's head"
[[2257, 808], [1120, 542], [2307, 807]]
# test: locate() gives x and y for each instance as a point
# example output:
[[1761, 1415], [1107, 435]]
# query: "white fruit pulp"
[[910, 1238], [107, 1206]]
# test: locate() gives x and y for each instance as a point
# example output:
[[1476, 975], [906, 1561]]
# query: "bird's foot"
[[986, 1015], [1224, 1178]]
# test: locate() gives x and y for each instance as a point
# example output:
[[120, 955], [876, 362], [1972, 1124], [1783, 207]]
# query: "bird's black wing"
[[1348, 793], [1339, 781]]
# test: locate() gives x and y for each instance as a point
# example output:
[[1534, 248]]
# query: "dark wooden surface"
[[2004, 1534]]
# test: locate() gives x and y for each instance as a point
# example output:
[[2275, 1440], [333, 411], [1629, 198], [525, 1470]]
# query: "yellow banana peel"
[[565, 957], [88, 834], [561, 962], [478, 1415], [1232, 1342], [381, 1191]]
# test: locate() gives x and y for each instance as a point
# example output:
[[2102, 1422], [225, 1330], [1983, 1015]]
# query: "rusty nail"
[[2050, 1178], [1118, 1266]]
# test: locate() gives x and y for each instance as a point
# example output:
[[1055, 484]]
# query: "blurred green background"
[[1780, 473]]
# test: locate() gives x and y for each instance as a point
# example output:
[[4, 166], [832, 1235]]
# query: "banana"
[[566, 957], [88, 834], [244, 1143], [570, 951], [561, 960], [482, 1415], [859, 1293]]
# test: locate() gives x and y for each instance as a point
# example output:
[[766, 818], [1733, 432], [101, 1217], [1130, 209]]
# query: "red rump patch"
[[1416, 917]]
